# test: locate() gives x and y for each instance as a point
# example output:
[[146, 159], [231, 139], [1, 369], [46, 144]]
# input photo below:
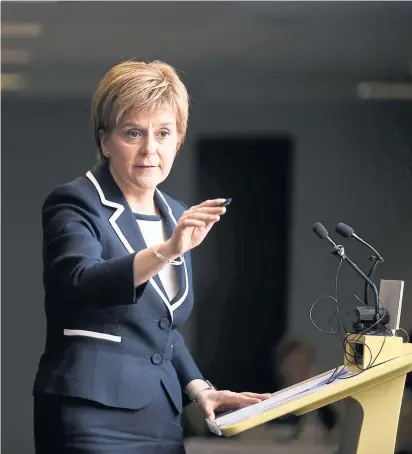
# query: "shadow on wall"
[[241, 302]]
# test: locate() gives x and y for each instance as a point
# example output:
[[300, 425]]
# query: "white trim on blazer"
[[115, 215], [86, 333], [180, 301], [123, 239]]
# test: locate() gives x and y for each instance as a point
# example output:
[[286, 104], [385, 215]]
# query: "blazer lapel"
[[126, 228], [170, 221], [123, 221]]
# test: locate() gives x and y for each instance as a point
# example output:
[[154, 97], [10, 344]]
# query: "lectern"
[[372, 388]]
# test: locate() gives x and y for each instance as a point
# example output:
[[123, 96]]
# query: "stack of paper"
[[278, 398]]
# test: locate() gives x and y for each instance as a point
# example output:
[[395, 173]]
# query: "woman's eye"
[[164, 133], [133, 133]]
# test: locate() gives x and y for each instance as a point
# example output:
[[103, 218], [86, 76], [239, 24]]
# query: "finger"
[[209, 412], [237, 399], [248, 400], [205, 217], [208, 227], [210, 210], [257, 396], [192, 223], [210, 203], [243, 404]]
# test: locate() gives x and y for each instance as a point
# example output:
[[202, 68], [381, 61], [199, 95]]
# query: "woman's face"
[[141, 148]]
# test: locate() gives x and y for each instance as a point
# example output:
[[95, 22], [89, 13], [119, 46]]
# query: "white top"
[[153, 229]]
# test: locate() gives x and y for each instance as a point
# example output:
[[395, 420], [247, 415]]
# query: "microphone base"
[[366, 320]]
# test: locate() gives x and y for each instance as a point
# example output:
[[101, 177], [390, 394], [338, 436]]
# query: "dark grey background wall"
[[287, 68], [347, 167], [352, 163]]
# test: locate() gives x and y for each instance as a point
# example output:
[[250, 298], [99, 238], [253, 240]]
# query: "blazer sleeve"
[[182, 360], [72, 254], [184, 363]]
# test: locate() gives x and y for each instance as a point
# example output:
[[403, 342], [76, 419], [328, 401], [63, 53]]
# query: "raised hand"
[[194, 224]]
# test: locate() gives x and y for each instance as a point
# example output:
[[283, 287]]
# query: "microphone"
[[347, 232], [366, 315], [323, 234]]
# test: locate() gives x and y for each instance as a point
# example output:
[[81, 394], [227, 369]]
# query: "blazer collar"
[[126, 228]]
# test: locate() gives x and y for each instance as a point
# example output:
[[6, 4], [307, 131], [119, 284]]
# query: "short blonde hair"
[[134, 85]]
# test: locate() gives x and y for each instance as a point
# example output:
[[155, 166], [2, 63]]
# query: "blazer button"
[[164, 323], [156, 358]]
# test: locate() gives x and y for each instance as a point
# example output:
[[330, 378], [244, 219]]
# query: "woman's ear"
[[103, 138], [179, 142]]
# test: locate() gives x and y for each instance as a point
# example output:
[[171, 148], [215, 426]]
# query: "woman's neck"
[[140, 200], [141, 203]]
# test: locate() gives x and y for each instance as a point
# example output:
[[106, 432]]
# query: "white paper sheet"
[[279, 398]]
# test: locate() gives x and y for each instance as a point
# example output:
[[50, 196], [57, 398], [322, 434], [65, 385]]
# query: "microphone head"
[[344, 230], [319, 230]]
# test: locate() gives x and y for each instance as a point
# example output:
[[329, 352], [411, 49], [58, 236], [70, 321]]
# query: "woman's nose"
[[149, 147]]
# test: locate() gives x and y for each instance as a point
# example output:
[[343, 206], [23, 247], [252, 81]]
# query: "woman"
[[118, 282]]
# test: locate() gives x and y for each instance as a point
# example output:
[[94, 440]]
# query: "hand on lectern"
[[210, 400]]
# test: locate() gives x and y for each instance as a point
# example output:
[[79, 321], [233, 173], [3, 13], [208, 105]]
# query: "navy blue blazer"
[[108, 341]]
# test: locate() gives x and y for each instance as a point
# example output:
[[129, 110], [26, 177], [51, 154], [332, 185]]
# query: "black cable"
[[336, 313], [351, 359], [372, 360]]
